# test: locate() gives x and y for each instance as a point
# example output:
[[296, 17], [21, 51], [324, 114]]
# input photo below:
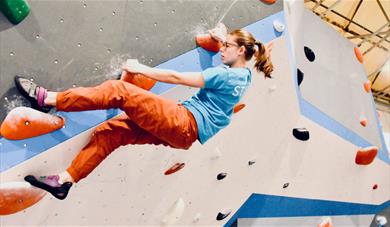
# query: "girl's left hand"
[[133, 66]]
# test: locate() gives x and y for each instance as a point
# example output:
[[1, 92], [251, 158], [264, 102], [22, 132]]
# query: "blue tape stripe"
[[262, 206], [313, 113]]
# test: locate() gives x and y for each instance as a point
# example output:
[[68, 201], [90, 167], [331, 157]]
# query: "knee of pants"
[[107, 137]]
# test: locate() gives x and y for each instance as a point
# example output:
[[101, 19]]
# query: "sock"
[[65, 177]]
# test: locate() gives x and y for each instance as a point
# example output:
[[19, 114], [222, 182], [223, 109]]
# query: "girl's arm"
[[193, 79]]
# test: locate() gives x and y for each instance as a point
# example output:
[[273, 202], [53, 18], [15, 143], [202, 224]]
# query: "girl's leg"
[[164, 118], [106, 138]]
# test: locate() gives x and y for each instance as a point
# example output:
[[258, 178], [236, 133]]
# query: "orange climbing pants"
[[149, 119]]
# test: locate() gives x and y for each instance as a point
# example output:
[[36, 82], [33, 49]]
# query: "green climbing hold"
[[14, 10]]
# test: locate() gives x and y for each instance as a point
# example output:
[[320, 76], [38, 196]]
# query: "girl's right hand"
[[133, 66]]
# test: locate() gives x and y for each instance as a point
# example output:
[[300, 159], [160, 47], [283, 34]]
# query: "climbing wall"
[[255, 172]]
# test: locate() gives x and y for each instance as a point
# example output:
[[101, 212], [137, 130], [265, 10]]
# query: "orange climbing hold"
[[214, 39], [17, 196], [207, 42], [326, 222], [25, 122], [139, 80], [358, 54], [363, 122], [174, 168], [238, 107], [269, 1], [367, 86], [365, 156]]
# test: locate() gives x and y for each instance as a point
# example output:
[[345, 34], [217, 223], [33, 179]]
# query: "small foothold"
[[379, 113], [299, 76], [309, 54], [367, 86], [223, 215], [375, 186], [381, 220], [272, 88], [278, 26], [197, 217], [301, 134], [175, 212], [221, 176], [363, 121], [269, 2], [174, 168], [251, 162], [365, 156], [358, 54], [286, 185], [238, 107], [217, 153]]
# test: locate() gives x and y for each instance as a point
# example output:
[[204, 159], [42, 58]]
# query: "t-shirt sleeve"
[[214, 77]]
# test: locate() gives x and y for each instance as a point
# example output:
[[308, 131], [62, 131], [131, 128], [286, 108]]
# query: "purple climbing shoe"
[[33, 93], [50, 184]]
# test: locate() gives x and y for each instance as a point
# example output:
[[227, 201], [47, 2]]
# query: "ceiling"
[[366, 24]]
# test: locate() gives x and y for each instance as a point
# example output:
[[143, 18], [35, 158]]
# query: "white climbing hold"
[[353, 75], [174, 213], [381, 220], [278, 26], [196, 218], [216, 154], [272, 88]]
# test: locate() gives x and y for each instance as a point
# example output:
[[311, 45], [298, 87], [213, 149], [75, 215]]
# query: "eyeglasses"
[[226, 44]]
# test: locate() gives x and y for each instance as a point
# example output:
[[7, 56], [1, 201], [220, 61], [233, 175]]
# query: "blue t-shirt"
[[212, 106]]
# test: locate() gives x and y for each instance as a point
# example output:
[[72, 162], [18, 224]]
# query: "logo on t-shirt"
[[238, 90]]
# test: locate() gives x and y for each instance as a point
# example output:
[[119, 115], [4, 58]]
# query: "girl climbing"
[[149, 118]]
